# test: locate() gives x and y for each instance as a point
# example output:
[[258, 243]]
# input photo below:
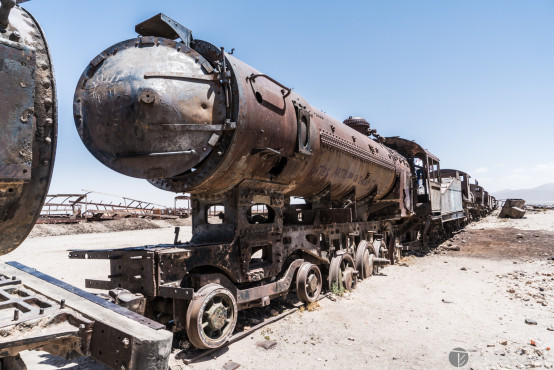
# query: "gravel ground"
[[533, 220], [409, 317]]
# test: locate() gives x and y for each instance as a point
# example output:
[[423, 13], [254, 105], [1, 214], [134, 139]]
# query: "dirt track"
[[409, 317]]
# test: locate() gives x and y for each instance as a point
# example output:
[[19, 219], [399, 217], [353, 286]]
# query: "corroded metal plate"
[[28, 127], [17, 72]]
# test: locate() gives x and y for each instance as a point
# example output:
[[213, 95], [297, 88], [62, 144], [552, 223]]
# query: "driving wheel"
[[342, 273], [211, 317], [308, 282], [364, 260]]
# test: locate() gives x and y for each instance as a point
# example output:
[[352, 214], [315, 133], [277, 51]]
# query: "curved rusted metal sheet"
[[28, 124], [408, 148]]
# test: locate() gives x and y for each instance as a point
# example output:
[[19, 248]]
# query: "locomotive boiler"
[[191, 118]]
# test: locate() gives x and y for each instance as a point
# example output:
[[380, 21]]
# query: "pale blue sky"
[[472, 81]]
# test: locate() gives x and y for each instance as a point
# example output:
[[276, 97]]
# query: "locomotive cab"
[[425, 167]]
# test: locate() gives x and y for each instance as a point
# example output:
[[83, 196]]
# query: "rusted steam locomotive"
[[189, 117]]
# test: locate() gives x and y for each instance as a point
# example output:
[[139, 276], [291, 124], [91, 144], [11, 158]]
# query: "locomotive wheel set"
[[189, 117]]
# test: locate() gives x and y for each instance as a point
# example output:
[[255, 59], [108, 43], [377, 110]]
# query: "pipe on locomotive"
[[192, 118]]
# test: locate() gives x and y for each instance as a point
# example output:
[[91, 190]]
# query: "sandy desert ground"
[[410, 316]]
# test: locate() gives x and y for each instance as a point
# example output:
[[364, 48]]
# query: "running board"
[[67, 321]]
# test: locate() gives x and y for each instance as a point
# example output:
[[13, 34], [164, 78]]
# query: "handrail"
[[288, 90]]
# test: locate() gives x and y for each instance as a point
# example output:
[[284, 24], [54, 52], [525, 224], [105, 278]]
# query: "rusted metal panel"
[[131, 269], [28, 124], [17, 73], [451, 197], [436, 197], [409, 148]]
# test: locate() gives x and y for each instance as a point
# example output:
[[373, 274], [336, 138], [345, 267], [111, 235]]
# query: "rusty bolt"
[[48, 102], [82, 327], [62, 304], [15, 314], [48, 122], [125, 342], [15, 36], [41, 311], [47, 140], [46, 83], [45, 162]]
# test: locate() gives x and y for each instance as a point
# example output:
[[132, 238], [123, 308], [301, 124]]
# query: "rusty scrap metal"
[[66, 321], [513, 208], [77, 207], [28, 123]]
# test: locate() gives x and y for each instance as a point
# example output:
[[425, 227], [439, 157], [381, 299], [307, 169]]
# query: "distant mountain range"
[[540, 194]]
